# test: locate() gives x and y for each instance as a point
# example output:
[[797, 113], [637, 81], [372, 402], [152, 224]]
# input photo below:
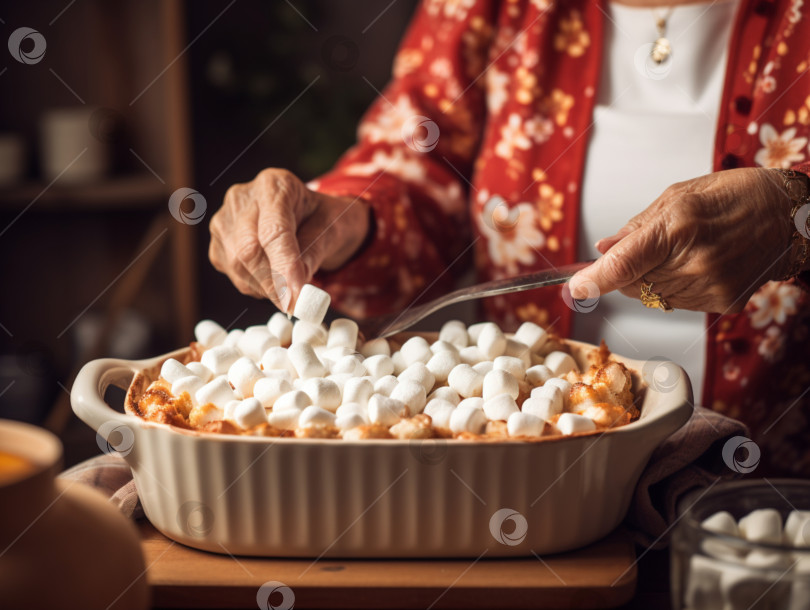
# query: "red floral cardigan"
[[475, 152]]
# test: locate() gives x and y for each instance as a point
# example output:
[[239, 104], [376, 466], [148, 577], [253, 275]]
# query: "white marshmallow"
[[416, 349], [797, 526], [379, 365], [483, 367], [349, 364], [172, 370], [342, 333], [286, 419], [465, 381], [474, 402], [243, 375], [497, 382], [442, 363], [445, 393], [524, 424], [204, 414], [491, 342], [340, 379], [305, 361], [721, 522], [571, 423], [336, 353], [419, 372], [209, 333], [277, 358], [217, 392], [531, 335], [412, 393], [762, 525], [512, 365], [324, 393], [249, 413], [375, 347], [189, 384], [560, 363], [230, 409], [312, 304], [465, 419], [268, 389], [386, 411], [516, 349], [454, 332], [471, 355], [315, 416], [562, 384], [358, 390], [385, 385], [474, 331], [294, 399], [500, 407], [281, 374], [256, 341], [220, 358], [703, 588], [542, 406], [233, 337], [280, 326], [304, 332], [352, 408], [443, 346], [440, 411], [538, 374], [201, 371], [745, 588], [400, 364], [349, 421]]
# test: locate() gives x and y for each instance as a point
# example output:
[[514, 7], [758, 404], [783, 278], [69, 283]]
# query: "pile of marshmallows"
[[467, 377], [734, 577]]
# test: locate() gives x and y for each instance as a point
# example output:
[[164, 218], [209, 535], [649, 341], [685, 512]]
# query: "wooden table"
[[602, 575]]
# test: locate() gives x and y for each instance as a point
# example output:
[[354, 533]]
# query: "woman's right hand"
[[272, 234]]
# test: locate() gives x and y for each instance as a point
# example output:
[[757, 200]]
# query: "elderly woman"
[[522, 134]]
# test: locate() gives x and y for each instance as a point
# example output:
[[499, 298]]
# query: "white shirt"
[[653, 126]]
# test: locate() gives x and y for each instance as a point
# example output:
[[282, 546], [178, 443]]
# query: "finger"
[[226, 263], [606, 243], [626, 262]]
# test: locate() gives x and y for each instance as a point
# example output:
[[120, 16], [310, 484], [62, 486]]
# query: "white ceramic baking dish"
[[380, 498]]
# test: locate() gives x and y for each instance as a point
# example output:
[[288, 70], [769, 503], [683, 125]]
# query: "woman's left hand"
[[706, 244]]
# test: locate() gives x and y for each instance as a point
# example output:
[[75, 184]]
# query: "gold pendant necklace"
[[661, 49]]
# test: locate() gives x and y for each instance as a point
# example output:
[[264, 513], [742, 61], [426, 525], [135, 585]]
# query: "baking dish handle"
[[87, 395]]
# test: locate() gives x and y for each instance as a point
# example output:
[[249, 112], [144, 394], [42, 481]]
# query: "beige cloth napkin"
[[690, 458]]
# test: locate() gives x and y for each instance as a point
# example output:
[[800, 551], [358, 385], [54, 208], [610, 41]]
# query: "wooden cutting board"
[[602, 575]]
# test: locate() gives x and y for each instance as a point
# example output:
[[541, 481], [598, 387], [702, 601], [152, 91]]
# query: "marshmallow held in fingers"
[[491, 342], [220, 358], [189, 384], [305, 361], [243, 375], [312, 304], [358, 390], [249, 412], [412, 393], [560, 363], [500, 407], [524, 424], [324, 393], [255, 341], [342, 333], [465, 381], [386, 411], [280, 327], [201, 371], [217, 392], [531, 335], [209, 333], [571, 423], [172, 370], [268, 389], [455, 332], [294, 399], [466, 419], [497, 382]]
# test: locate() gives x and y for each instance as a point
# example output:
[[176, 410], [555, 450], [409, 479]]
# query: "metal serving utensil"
[[384, 326]]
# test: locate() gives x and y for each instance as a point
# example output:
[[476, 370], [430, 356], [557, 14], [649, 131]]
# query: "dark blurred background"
[[131, 101]]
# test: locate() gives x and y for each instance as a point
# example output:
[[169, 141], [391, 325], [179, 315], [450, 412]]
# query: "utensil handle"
[[87, 394]]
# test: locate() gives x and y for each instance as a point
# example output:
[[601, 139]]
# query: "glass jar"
[[713, 570]]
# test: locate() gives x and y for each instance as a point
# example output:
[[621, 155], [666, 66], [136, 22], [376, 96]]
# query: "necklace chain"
[[661, 48]]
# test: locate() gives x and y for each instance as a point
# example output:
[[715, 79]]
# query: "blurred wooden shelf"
[[133, 192]]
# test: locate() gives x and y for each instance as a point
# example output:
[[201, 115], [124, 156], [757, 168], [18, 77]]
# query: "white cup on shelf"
[[70, 150]]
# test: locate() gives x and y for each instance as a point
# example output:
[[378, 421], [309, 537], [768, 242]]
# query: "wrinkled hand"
[[273, 233], [706, 244]]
